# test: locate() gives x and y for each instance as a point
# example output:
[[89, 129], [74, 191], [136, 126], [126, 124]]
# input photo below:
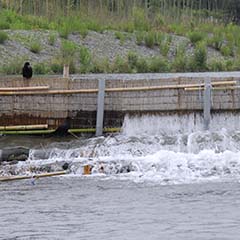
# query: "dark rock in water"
[[65, 166], [13, 162], [46, 168], [20, 157], [15, 153]]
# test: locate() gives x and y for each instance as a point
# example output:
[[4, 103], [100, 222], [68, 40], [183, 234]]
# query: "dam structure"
[[48, 100]]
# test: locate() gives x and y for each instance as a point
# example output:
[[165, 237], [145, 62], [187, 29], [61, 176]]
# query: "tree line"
[[225, 10]]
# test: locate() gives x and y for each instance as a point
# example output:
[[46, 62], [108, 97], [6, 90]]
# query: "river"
[[171, 180]]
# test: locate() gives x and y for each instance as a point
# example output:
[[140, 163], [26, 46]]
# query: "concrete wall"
[[52, 109]]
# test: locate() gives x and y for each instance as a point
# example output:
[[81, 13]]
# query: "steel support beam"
[[100, 107]]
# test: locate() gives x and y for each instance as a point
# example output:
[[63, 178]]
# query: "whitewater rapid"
[[164, 150]]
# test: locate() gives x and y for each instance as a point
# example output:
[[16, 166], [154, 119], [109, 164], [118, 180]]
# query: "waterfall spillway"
[[163, 149]]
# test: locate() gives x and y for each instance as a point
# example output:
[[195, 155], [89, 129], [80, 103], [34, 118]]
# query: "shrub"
[[207, 27], [199, 62], [4, 25], [120, 36], [68, 50], [140, 20], [180, 63], [178, 29], [216, 66], [56, 68], [72, 67], [126, 26], [40, 68], [158, 65], [101, 66], [52, 39], [14, 67], [85, 59], [226, 51], [85, 55], [97, 68], [195, 36], [139, 37], [120, 65], [64, 31], [35, 47], [158, 21], [159, 37], [230, 65], [142, 65], [3, 37], [150, 39], [236, 65], [83, 32], [165, 45], [216, 41], [90, 24], [132, 60]]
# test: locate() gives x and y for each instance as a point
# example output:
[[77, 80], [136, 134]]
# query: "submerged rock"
[[14, 154]]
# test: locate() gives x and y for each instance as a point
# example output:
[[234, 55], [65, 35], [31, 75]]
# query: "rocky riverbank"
[[105, 46]]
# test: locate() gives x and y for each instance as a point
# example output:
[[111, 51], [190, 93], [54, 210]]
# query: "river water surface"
[[171, 180], [72, 208]]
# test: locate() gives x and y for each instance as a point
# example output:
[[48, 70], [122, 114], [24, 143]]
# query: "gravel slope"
[[101, 45]]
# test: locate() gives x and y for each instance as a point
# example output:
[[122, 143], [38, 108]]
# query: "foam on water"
[[166, 150]]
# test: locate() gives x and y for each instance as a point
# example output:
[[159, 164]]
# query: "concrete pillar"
[[100, 107], [207, 103], [66, 71]]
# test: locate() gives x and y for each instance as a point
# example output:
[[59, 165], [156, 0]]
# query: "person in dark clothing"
[[62, 130], [27, 71]]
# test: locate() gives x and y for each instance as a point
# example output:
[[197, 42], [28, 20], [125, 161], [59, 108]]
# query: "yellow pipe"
[[23, 127], [41, 132]]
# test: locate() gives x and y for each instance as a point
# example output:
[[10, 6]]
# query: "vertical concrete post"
[[207, 104], [100, 107], [66, 71]]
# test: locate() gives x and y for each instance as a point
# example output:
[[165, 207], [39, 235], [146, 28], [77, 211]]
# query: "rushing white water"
[[167, 150]]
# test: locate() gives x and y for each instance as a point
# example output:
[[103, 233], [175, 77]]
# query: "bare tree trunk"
[[47, 8], [191, 9], [21, 7], [200, 8]]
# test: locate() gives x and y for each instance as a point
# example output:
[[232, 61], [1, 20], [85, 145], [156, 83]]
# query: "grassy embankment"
[[156, 32]]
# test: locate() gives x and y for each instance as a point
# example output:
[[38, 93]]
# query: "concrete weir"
[[50, 99]]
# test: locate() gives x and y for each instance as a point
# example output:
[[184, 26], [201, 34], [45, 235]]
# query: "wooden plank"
[[16, 89], [50, 92], [148, 88], [41, 175], [213, 88], [178, 86]]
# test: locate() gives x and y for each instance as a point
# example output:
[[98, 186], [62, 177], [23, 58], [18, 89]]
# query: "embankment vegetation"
[[206, 25]]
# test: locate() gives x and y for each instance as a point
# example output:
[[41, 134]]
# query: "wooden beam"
[[50, 92], [41, 175], [178, 86], [147, 88], [213, 88], [16, 89]]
